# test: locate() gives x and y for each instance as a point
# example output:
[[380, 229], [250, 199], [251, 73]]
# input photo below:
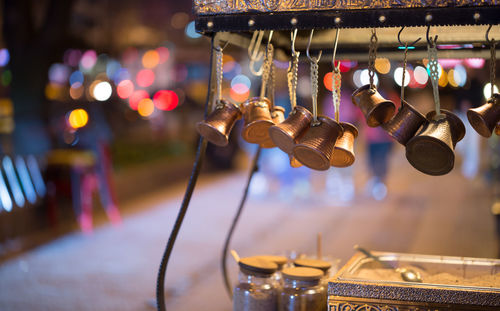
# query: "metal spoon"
[[407, 274]]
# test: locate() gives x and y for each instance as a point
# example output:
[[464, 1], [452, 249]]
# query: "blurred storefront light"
[[78, 118], [487, 90], [420, 75], [102, 91], [76, 90], [125, 89], [145, 107], [136, 97], [398, 76], [4, 57], [88, 60], [191, 31], [150, 59], [145, 77], [166, 100]]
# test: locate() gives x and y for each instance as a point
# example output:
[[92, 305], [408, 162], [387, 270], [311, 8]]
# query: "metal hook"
[[487, 36], [430, 41], [221, 49], [335, 68], [411, 44], [293, 37], [309, 45], [253, 48]]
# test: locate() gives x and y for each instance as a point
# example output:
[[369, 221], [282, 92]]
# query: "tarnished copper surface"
[[218, 125], [294, 162], [431, 151], [485, 118], [376, 109], [343, 152], [258, 120], [285, 134], [278, 116], [405, 123], [314, 148], [240, 6]]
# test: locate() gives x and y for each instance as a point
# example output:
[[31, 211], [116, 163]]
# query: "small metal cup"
[[343, 152], [285, 134], [278, 116], [314, 148], [377, 110], [431, 151], [405, 123], [218, 125], [258, 120], [485, 118], [294, 162]]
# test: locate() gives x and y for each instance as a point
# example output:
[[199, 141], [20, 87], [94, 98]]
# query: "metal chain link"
[[372, 56], [405, 59], [219, 66], [434, 75], [336, 83], [266, 69], [493, 62], [271, 85], [314, 88]]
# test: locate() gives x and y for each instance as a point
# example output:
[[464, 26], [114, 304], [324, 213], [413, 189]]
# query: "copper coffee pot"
[[485, 118], [278, 116], [343, 151], [258, 120], [431, 151], [314, 148], [285, 134], [218, 125], [405, 123], [376, 109]]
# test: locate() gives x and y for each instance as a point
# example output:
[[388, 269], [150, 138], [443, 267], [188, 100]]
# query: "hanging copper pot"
[[278, 116], [405, 123], [285, 134], [484, 119], [343, 152], [314, 148], [218, 125], [376, 109], [431, 151], [258, 120]]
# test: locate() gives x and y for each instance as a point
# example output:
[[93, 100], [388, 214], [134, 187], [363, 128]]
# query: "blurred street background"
[[98, 106]]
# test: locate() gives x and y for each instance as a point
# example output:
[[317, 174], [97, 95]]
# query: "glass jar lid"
[[313, 263], [279, 260], [258, 265], [302, 273]]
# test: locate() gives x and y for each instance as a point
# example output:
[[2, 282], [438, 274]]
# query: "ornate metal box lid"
[[446, 280]]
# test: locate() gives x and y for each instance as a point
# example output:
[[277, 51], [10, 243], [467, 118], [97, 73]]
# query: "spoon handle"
[[369, 254]]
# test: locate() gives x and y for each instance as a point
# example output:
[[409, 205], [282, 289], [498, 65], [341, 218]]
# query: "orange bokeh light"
[[151, 59], [146, 107]]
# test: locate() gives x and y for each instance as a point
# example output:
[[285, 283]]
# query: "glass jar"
[[303, 290], [280, 261], [256, 289], [316, 264]]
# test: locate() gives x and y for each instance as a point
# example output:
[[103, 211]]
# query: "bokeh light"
[[443, 79], [238, 97], [191, 31], [72, 57], [6, 77], [125, 89], [163, 53], [88, 60], [356, 78], [460, 75], [76, 77], [179, 20], [166, 100], [53, 91], [451, 78], [150, 59], [145, 77], [130, 56], [420, 75], [327, 81], [58, 73], [102, 91], [136, 97], [78, 118], [145, 107], [383, 65], [487, 90], [76, 90], [4, 57], [398, 76], [475, 63], [112, 68], [241, 84], [449, 62], [122, 74]]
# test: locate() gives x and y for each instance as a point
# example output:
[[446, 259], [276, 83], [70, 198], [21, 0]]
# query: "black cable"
[[200, 154], [254, 168]]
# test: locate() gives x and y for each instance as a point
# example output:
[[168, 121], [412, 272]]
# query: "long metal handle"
[[369, 254]]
